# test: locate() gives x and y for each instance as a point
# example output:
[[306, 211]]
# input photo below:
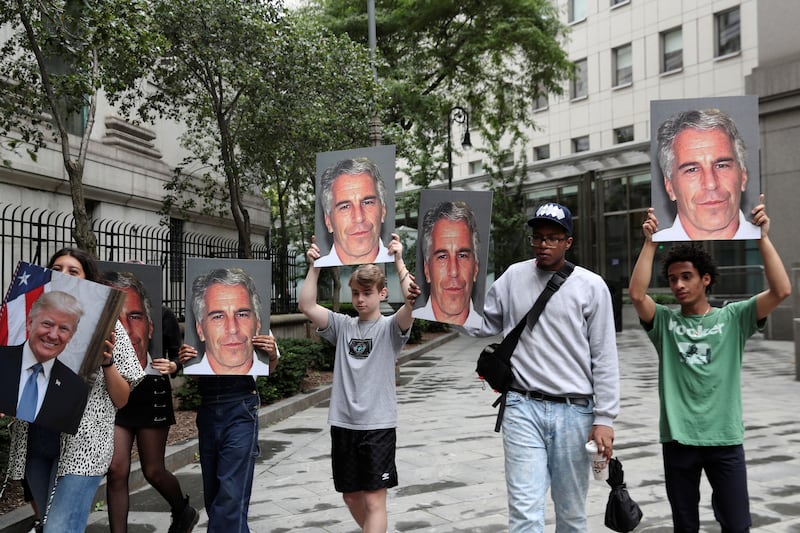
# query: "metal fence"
[[34, 234]]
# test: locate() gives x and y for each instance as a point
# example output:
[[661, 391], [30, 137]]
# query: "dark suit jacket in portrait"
[[64, 400]]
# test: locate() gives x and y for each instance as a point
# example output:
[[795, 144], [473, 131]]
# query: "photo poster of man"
[[452, 255], [234, 296], [355, 206], [76, 362], [711, 207], [150, 277]]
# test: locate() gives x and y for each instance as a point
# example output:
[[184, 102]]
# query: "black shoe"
[[183, 521]]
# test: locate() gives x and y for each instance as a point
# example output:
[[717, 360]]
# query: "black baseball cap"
[[553, 212]]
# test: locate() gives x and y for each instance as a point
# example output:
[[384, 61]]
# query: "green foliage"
[[188, 395], [494, 58], [508, 205], [289, 374], [261, 92], [664, 298], [54, 60]]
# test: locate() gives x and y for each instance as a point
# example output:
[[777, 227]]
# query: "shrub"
[[188, 395], [289, 374]]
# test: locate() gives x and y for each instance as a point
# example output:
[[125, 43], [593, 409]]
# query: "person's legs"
[[682, 468], [40, 464], [525, 435], [368, 508], [71, 503], [117, 480], [570, 465], [152, 443], [235, 427], [727, 475]]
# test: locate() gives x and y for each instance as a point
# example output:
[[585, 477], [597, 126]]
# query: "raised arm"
[[407, 285], [778, 285], [642, 272], [307, 301]]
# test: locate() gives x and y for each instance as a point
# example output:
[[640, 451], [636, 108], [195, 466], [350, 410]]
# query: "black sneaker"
[[184, 520]]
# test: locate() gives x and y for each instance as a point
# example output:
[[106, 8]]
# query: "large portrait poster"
[[53, 329], [141, 311], [355, 207], [227, 303], [711, 183], [453, 255]]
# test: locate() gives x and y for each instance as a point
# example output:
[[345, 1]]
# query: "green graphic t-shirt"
[[699, 374]]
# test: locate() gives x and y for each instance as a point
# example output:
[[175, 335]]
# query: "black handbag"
[[494, 361]]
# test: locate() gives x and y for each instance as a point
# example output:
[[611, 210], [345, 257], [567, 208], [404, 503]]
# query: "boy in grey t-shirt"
[[363, 410]]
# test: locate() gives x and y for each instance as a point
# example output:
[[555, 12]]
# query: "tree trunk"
[[82, 232]]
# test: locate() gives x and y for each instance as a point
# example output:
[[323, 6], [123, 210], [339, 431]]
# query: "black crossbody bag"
[[494, 362]]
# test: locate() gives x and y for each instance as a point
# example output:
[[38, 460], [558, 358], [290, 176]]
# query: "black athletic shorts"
[[363, 459]]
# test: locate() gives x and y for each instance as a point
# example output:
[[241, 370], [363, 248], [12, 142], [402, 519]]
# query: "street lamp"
[[457, 114]]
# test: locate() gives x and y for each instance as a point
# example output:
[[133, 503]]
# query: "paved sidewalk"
[[450, 461]]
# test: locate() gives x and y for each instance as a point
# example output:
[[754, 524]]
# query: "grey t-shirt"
[[363, 394]]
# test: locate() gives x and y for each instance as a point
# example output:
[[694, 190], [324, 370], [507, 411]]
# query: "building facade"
[[591, 150]]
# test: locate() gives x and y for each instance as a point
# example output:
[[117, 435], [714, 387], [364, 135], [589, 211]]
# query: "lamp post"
[[461, 116]]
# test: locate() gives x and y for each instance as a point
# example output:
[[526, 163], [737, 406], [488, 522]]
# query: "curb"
[[176, 456]]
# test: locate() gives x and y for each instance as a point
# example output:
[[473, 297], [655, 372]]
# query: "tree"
[[495, 58], [218, 55], [59, 56], [319, 99]]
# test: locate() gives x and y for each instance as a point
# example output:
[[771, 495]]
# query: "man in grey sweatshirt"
[[565, 390]]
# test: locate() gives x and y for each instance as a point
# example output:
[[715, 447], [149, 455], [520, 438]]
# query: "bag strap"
[[553, 284], [511, 340]]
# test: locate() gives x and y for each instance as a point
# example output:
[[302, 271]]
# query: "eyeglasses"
[[551, 240]]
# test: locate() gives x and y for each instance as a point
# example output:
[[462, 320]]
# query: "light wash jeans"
[[71, 503], [544, 447]]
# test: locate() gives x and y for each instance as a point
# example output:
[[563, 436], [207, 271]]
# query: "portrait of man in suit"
[[34, 385], [705, 168], [227, 311], [355, 206]]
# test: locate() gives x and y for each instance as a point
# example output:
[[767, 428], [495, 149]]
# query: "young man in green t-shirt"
[[700, 358]]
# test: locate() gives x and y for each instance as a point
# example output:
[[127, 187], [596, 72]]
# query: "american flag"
[[29, 282]]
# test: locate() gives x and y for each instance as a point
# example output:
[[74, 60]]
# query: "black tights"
[[151, 443]]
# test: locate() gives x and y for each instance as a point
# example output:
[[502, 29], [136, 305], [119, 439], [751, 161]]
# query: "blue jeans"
[[71, 504], [228, 440], [544, 447]]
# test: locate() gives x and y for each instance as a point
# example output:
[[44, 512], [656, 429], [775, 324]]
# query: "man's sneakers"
[[183, 521]]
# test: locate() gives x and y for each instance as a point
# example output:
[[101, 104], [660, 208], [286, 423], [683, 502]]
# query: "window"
[[671, 50], [508, 160], [729, 36], [580, 144], [623, 65], [541, 152], [475, 167], [579, 88], [577, 10], [540, 103], [623, 134]]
